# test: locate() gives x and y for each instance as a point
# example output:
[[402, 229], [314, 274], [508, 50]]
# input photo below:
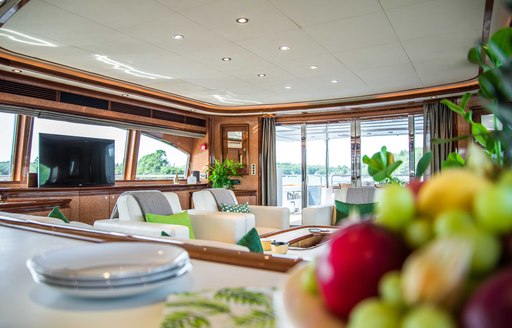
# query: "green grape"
[[452, 221], [418, 233], [493, 209], [428, 316], [308, 279], [374, 313], [390, 288], [486, 250], [395, 208]]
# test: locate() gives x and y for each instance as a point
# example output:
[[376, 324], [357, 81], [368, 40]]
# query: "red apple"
[[491, 304], [415, 186], [358, 256]]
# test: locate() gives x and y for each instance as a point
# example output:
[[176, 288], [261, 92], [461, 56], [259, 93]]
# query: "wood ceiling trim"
[[24, 101], [24, 63]]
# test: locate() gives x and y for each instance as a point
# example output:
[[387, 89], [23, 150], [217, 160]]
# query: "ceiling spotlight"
[[433, 97], [313, 67], [287, 87], [17, 70], [177, 37], [125, 95], [226, 58], [262, 75], [242, 20], [284, 48], [334, 81]]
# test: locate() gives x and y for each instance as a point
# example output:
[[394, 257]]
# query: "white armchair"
[[263, 218], [207, 226], [326, 214]]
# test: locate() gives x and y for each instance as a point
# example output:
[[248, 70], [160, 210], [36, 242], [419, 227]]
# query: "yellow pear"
[[452, 188]]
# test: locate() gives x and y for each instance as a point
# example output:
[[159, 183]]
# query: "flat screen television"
[[68, 161]]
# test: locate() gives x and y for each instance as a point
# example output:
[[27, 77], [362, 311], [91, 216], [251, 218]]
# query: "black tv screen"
[[67, 161]]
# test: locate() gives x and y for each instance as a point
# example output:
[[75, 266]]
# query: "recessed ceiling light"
[[284, 48], [262, 75], [242, 20], [433, 97], [17, 70], [334, 81], [226, 58], [313, 67], [125, 95], [177, 37], [287, 87]]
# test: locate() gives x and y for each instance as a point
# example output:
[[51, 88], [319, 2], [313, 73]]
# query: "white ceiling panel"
[[437, 17], [370, 57], [368, 46], [116, 14], [354, 33], [220, 16], [160, 32], [390, 4], [307, 12]]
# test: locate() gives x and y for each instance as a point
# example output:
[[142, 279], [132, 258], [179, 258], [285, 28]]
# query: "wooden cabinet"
[[88, 204], [249, 196], [94, 206]]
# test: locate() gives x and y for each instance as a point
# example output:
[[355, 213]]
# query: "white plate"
[[300, 309], [116, 292], [119, 283], [107, 261]]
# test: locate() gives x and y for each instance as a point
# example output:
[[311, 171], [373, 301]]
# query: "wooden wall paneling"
[[131, 154], [94, 205], [22, 147]]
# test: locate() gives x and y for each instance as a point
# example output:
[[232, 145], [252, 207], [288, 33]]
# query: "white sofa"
[[326, 214], [264, 218], [208, 226]]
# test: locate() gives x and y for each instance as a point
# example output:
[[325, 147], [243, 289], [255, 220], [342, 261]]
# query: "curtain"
[[268, 162], [439, 126]]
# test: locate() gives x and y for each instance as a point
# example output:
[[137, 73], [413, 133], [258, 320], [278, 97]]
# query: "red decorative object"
[[204, 146]]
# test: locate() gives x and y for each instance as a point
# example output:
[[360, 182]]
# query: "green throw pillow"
[[343, 209], [178, 219], [252, 241], [57, 214], [236, 208]]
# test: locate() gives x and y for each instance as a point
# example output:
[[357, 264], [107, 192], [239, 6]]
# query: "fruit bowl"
[[302, 309]]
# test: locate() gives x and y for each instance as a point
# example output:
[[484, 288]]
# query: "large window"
[[7, 122], [79, 130], [160, 160]]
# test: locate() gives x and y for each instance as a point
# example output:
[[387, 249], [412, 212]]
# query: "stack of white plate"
[[110, 269]]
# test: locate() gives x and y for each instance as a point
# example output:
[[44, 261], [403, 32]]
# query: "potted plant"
[[220, 173]]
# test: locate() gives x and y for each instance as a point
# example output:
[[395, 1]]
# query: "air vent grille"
[[27, 90], [130, 109], [72, 98], [169, 116], [195, 121]]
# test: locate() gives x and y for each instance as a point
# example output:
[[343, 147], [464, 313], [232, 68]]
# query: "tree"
[[156, 164]]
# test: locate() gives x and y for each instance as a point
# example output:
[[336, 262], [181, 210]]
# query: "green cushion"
[[178, 219], [237, 208], [57, 214], [343, 209], [252, 241]]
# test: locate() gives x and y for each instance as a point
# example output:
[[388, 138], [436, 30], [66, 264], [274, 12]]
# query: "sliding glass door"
[[314, 160]]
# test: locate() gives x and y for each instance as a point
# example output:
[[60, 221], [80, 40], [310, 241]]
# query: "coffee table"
[[306, 242]]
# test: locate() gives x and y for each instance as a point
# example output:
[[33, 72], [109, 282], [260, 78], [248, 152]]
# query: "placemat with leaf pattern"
[[227, 307]]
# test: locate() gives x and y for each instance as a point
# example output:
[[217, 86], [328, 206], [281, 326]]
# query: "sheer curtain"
[[268, 162], [439, 126]]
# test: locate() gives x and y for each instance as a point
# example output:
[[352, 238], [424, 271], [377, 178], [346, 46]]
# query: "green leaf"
[[452, 161], [384, 156], [243, 296], [184, 319], [423, 164], [379, 176], [474, 55], [391, 168], [201, 303], [500, 46], [454, 107], [480, 133], [465, 100], [256, 318]]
